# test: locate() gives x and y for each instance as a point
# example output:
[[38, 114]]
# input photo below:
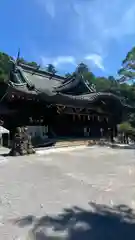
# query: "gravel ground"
[[93, 188]]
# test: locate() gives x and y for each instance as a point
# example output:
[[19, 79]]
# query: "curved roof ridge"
[[71, 84], [68, 85], [40, 71], [92, 97]]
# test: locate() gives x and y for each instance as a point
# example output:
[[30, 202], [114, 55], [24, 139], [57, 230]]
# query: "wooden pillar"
[[112, 135], [102, 132], [115, 131], [73, 118], [84, 117], [79, 117]]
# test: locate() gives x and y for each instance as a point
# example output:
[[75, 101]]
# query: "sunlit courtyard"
[[82, 180]]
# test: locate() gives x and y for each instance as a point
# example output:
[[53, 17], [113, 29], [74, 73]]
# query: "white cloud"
[[84, 26], [92, 59], [101, 21], [97, 19], [58, 61], [49, 6], [44, 61], [96, 59], [63, 60]]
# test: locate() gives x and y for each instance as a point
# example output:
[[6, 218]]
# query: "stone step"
[[74, 143]]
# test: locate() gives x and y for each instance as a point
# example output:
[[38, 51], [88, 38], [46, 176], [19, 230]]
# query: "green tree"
[[51, 69], [4, 66], [68, 75], [89, 76], [126, 128], [32, 64], [102, 84], [127, 71]]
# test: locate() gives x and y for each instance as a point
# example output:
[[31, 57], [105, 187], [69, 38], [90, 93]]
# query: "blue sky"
[[66, 32]]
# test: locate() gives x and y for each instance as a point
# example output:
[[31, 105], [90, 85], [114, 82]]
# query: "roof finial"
[[18, 56]]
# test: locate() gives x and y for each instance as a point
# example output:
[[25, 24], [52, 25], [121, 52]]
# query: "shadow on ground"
[[100, 223]]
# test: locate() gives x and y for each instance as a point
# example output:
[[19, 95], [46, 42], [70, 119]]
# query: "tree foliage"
[[127, 71], [68, 75], [4, 66], [51, 69], [125, 127], [32, 64]]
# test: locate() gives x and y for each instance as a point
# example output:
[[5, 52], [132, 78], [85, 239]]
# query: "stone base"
[[21, 143]]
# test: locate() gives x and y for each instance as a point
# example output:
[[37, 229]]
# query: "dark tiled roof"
[[42, 72], [68, 86], [44, 80], [53, 89], [41, 81]]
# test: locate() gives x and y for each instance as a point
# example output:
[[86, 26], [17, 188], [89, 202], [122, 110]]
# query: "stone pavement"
[[93, 187]]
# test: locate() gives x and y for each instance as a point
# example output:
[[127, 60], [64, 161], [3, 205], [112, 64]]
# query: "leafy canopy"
[[51, 69], [127, 71]]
